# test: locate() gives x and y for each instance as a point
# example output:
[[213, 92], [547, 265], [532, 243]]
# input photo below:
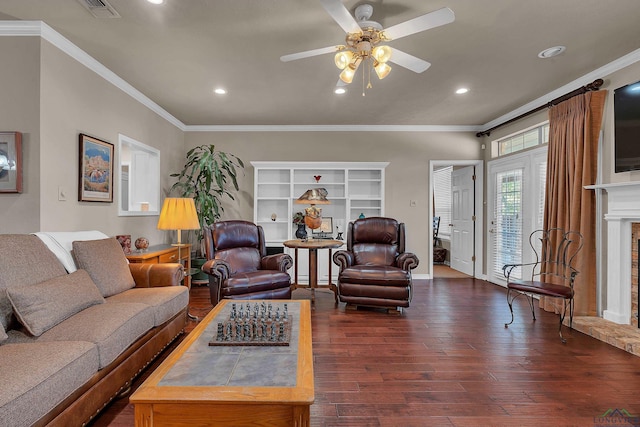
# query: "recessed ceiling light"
[[220, 91], [156, 1], [551, 52], [462, 90], [340, 90]]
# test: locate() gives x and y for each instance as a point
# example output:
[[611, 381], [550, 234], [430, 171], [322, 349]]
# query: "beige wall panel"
[[407, 175], [19, 111], [76, 100]]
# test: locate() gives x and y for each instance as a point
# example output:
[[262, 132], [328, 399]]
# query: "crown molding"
[[331, 128], [39, 28], [605, 70]]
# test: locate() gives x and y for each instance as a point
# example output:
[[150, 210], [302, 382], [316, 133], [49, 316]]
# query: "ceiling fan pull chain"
[[363, 93]]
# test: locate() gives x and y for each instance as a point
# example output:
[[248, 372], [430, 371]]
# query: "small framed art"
[[326, 228], [10, 162], [96, 170]]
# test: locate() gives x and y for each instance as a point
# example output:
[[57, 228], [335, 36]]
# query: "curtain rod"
[[593, 86]]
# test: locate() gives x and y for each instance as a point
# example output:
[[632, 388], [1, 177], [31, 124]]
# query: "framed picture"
[[10, 162], [96, 170], [326, 227]]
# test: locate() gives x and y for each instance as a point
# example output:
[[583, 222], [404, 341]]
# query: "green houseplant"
[[208, 176]]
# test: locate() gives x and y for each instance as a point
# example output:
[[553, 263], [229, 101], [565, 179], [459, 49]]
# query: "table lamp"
[[313, 214], [178, 213]]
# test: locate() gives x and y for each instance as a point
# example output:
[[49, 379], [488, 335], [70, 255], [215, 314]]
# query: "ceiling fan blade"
[[341, 15], [421, 23], [409, 62], [308, 53]]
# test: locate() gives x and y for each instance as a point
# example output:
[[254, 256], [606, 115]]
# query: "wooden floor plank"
[[448, 360]]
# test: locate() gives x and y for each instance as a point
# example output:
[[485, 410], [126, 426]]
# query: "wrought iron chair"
[[552, 274]]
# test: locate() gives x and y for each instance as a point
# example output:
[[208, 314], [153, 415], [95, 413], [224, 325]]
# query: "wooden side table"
[[313, 246], [163, 254]]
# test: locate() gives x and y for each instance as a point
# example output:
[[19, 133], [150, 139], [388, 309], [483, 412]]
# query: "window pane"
[[507, 224], [531, 138]]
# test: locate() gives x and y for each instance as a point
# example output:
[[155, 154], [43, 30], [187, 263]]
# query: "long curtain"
[[574, 127]]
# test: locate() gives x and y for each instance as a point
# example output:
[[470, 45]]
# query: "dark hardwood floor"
[[449, 361]]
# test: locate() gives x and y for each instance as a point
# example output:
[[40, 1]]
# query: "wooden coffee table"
[[200, 384]]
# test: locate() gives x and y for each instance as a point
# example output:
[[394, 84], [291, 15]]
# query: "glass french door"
[[516, 208]]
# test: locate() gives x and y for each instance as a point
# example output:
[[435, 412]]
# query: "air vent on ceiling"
[[100, 8]]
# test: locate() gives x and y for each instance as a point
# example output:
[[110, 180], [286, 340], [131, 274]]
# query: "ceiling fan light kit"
[[364, 38]]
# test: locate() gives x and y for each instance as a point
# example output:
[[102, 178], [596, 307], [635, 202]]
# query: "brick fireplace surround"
[[619, 324]]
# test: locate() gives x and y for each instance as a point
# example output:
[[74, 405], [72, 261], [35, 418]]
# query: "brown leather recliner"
[[238, 265], [375, 270]]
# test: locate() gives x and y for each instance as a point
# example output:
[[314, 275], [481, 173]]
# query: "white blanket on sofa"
[[60, 243]]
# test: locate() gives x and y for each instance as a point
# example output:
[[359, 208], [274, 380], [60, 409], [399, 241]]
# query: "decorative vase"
[[142, 243], [125, 242], [301, 232], [361, 216]]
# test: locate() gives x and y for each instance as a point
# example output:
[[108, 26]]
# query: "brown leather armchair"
[[375, 270], [238, 265]]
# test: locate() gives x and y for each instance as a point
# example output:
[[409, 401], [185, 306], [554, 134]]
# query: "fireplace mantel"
[[623, 209]]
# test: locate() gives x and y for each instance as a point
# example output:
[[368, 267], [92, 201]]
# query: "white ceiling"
[[178, 52]]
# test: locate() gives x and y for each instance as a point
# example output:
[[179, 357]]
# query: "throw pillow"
[[42, 306], [106, 263]]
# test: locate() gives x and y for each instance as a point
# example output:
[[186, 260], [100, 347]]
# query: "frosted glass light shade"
[[342, 59], [381, 53], [382, 70], [347, 74]]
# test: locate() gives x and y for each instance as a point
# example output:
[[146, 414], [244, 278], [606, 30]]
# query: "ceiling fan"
[[366, 41]]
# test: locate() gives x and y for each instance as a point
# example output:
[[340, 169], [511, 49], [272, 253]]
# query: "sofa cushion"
[[166, 301], [106, 263], [36, 377], [24, 260], [60, 243], [41, 306], [111, 327], [3, 333]]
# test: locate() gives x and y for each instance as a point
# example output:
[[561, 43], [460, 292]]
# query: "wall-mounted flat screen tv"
[[626, 100]]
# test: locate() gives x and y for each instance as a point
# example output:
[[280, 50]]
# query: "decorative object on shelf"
[[325, 231], [301, 232], [361, 216], [317, 177], [125, 242], [273, 217], [10, 162], [298, 219], [313, 214], [339, 232], [208, 176], [96, 170], [142, 244]]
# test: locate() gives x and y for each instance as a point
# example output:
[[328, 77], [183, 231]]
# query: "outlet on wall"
[[412, 203]]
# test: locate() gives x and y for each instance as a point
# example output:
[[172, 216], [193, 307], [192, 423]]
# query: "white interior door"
[[462, 220]]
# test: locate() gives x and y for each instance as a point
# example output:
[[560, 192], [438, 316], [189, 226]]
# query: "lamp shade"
[[315, 196], [178, 213]]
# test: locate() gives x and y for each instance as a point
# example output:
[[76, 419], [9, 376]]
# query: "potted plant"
[[207, 176]]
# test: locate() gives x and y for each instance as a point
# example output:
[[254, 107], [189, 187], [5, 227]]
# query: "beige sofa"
[[75, 331]]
